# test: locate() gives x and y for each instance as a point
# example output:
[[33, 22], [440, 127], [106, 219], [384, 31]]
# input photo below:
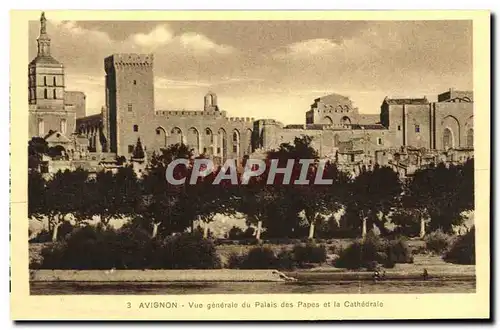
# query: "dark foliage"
[[438, 242], [463, 251], [309, 253], [372, 252], [128, 248], [260, 258]]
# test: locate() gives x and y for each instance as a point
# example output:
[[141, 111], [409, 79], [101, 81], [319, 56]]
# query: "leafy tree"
[[300, 149], [372, 195], [113, 195], [409, 222], [37, 147], [442, 193], [65, 194], [319, 202], [36, 194], [161, 207]]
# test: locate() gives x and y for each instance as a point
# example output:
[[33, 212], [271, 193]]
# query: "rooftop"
[[406, 101], [45, 59]]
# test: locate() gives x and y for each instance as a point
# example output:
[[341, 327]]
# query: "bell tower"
[[46, 90]]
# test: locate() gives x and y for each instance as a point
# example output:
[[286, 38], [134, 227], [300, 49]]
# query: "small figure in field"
[[425, 274]]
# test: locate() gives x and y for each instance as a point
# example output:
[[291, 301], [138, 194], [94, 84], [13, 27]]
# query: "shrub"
[[235, 260], [286, 260], [372, 252], [260, 258], [235, 233], [463, 251], [65, 229], [438, 241], [309, 253], [249, 233], [42, 237], [189, 251], [335, 249], [129, 248], [399, 252]]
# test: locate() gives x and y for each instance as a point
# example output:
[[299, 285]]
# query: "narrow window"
[[45, 81], [379, 141], [399, 127], [158, 131], [130, 148], [63, 126], [235, 149], [45, 93], [417, 128], [135, 82], [54, 81], [136, 128], [41, 128], [54, 95], [129, 106]]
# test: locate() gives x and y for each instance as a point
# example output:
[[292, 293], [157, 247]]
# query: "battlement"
[[318, 126], [269, 122], [190, 113], [129, 60], [241, 119]]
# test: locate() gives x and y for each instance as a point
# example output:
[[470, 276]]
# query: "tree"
[[442, 193], [113, 195], [372, 195], [138, 150], [161, 206], [65, 194], [205, 199], [36, 194], [37, 147], [319, 202], [255, 200]]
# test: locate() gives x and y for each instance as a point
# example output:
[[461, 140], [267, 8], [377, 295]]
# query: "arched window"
[[345, 120], [63, 126], [470, 138], [41, 128], [210, 136], [447, 138], [54, 81]]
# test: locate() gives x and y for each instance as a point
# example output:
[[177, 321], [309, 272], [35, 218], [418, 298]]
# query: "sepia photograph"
[[224, 157]]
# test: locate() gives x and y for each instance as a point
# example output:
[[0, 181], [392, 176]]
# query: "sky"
[[269, 69]]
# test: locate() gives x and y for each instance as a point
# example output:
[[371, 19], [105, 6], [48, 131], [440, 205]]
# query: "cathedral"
[[52, 109], [338, 130]]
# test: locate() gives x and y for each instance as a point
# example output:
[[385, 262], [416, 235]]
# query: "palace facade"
[[338, 129]]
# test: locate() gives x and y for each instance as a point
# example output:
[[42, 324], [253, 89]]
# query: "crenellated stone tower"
[[129, 100]]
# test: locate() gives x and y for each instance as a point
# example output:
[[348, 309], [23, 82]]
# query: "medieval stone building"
[[51, 107], [338, 130]]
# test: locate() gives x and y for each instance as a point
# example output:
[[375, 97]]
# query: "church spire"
[[43, 39]]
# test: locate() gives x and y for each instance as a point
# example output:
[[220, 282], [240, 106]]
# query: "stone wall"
[[76, 102]]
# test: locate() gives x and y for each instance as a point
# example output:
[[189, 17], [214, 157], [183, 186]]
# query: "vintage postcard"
[[250, 165]]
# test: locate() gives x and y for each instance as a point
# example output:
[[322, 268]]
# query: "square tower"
[[129, 99], [47, 111]]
